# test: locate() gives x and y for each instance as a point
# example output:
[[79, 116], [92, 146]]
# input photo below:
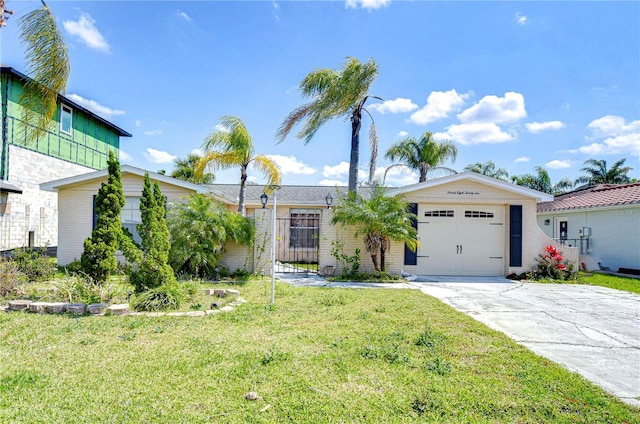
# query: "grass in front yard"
[[604, 280], [317, 355]]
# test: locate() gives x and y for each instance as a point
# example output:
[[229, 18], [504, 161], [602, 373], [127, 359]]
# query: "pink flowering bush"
[[552, 265]]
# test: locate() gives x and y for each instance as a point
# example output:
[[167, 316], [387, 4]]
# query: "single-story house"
[[468, 224], [603, 221]]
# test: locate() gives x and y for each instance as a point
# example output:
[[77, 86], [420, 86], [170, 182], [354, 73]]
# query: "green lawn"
[[318, 355], [611, 281]]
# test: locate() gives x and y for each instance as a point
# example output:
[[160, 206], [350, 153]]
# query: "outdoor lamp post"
[[329, 200], [275, 189], [264, 199]]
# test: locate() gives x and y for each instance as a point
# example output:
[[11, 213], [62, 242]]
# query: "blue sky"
[[523, 84]]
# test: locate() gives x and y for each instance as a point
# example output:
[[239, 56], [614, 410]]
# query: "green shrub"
[[34, 264], [11, 279], [82, 289], [551, 265], [168, 296]]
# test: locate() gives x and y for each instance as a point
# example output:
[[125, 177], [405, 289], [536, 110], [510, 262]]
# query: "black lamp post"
[[264, 199], [329, 200]]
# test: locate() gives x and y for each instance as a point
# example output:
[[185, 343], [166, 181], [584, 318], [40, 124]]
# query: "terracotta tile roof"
[[601, 195]]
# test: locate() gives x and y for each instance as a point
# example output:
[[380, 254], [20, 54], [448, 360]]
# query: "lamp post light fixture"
[[275, 189], [264, 199], [329, 200]]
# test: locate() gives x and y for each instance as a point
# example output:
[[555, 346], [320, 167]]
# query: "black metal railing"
[[582, 243]]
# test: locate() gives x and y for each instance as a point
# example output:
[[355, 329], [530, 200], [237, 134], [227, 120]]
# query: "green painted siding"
[[88, 144]]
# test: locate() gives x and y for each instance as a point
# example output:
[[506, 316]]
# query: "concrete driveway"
[[594, 331]]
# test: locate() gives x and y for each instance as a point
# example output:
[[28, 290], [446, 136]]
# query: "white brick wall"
[[28, 170]]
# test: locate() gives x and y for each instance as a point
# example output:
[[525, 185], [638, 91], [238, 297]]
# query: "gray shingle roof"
[[288, 194]]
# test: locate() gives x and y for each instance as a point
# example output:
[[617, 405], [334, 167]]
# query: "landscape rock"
[[226, 308], [176, 314], [75, 308], [4, 308], [38, 307], [241, 300], [252, 396], [195, 313], [234, 293], [19, 305], [208, 292], [212, 312], [155, 314], [55, 307], [220, 292], [97, 308], [119, 309]]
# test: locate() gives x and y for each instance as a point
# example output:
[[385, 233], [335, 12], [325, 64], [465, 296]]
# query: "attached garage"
[[470, 224], [461, 240]]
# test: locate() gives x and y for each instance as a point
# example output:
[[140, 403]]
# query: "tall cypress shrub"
[[154, 270], [98, 257]]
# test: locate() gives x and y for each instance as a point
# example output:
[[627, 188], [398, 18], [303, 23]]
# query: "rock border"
[[121, 309]]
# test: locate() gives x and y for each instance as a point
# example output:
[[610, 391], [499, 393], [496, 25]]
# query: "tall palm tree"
[[489, 169], [379, 219], [599, 174], [185, 170], [233, 146], [542, 182], [423, 155], [336, 94], [47, 61]]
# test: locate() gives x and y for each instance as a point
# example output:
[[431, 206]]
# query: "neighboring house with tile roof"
[[603, 220], [468, 224], [77, 142]]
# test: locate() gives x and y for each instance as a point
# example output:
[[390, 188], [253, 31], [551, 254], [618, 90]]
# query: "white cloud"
[[153, 132], [332, 183], [402, 134], [124, 156], [439, 105], [521, 19], [397, 176], [475, 133], [138, 123], [96, 107], [558, 164], [496, 109], [276, 7], [366, 4], [85, 30], [522, 159], [158, 156], [341, 170], [184, 16], [398, 105], [291, 165], [536, 127], [620, 137], [197, 151]]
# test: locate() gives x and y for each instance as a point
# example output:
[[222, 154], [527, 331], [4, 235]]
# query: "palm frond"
[[217, 161], [47, 62], [268, 168]]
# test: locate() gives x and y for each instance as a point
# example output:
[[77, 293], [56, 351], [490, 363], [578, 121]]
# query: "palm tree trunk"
[[374, 259], [382, 253], [423, 172], [356, 122], [243, 184]]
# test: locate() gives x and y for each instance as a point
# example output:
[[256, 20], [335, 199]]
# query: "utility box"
[[584, 232]]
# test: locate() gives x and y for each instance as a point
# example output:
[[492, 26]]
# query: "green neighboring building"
[[77, 142]]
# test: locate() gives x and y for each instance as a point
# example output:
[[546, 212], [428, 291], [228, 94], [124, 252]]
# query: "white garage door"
[[461, 240]]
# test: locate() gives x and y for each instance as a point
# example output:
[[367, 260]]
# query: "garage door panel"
[[461, 240]]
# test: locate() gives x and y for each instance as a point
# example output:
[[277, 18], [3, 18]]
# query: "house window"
[[478, 214], [445, 213], [304, 228], [65, 119], [130, 216]]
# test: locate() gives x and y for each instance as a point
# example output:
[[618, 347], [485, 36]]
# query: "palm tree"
[[489, 169], [423, 155], [235, 149], [542, 182], [599, 174], [336, 94], [379, 219], [47, 61], [185, 170]]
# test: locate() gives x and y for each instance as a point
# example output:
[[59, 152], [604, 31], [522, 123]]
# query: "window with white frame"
[[304, 228], [130, 216], [66, 114]]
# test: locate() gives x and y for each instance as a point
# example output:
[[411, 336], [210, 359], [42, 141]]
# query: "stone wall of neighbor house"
[[34, 211]]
